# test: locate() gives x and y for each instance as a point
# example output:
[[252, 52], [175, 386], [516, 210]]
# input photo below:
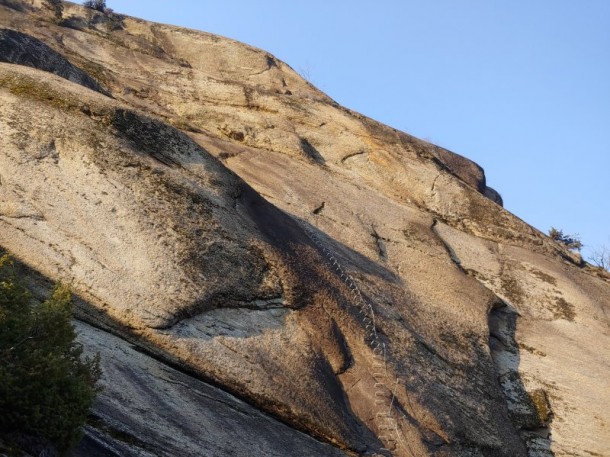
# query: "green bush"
[[570, 241], [99, 5], [46, 386]]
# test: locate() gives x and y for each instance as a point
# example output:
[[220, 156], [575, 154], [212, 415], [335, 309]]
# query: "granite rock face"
[[22, 49], [265, 272]]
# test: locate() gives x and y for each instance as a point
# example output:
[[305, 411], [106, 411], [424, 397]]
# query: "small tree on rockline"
[[46, 386], [57, 6], [99, 5], [601, 257], [570, 241]]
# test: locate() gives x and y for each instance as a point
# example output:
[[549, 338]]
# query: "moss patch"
[[561, 309], [29, 88], [34, 90], [454, 341], [512, 289], [531, 350], [542, 406], [544, 277]]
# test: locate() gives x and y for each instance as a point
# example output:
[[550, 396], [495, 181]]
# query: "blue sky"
[[520, 87]]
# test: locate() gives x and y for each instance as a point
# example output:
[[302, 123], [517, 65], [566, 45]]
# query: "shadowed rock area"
[[265, 272], [22, 49]]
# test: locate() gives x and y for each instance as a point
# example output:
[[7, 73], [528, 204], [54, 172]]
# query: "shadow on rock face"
[[152, 404], [22, 49], [16, 5], [529, 411]]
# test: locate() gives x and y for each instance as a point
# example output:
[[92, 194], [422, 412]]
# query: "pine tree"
[[46, 386]]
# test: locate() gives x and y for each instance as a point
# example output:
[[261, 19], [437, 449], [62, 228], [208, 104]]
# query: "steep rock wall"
[[374, 298]]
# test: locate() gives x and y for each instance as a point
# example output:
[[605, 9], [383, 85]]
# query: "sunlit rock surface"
[[265, 272]]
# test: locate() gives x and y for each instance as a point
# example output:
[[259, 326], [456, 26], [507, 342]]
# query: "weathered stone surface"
[[541, 342], [225, 216], [173, 224], [147, 409], [20, 48]]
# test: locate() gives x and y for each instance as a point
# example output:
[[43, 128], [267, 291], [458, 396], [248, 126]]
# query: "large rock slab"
[[147, 408], [226, 217]]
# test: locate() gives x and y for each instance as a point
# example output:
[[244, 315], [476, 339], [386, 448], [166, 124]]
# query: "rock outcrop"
[[20, 48], [265, 272]]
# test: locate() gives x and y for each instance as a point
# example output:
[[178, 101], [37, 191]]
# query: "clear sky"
[[521, 87]]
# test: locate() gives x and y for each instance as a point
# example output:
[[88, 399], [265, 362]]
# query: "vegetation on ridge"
[[570, 241], [601, 257], [99, 5]]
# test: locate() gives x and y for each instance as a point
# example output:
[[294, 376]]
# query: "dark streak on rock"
[[319, 209], [22, 49], [349, 156]]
